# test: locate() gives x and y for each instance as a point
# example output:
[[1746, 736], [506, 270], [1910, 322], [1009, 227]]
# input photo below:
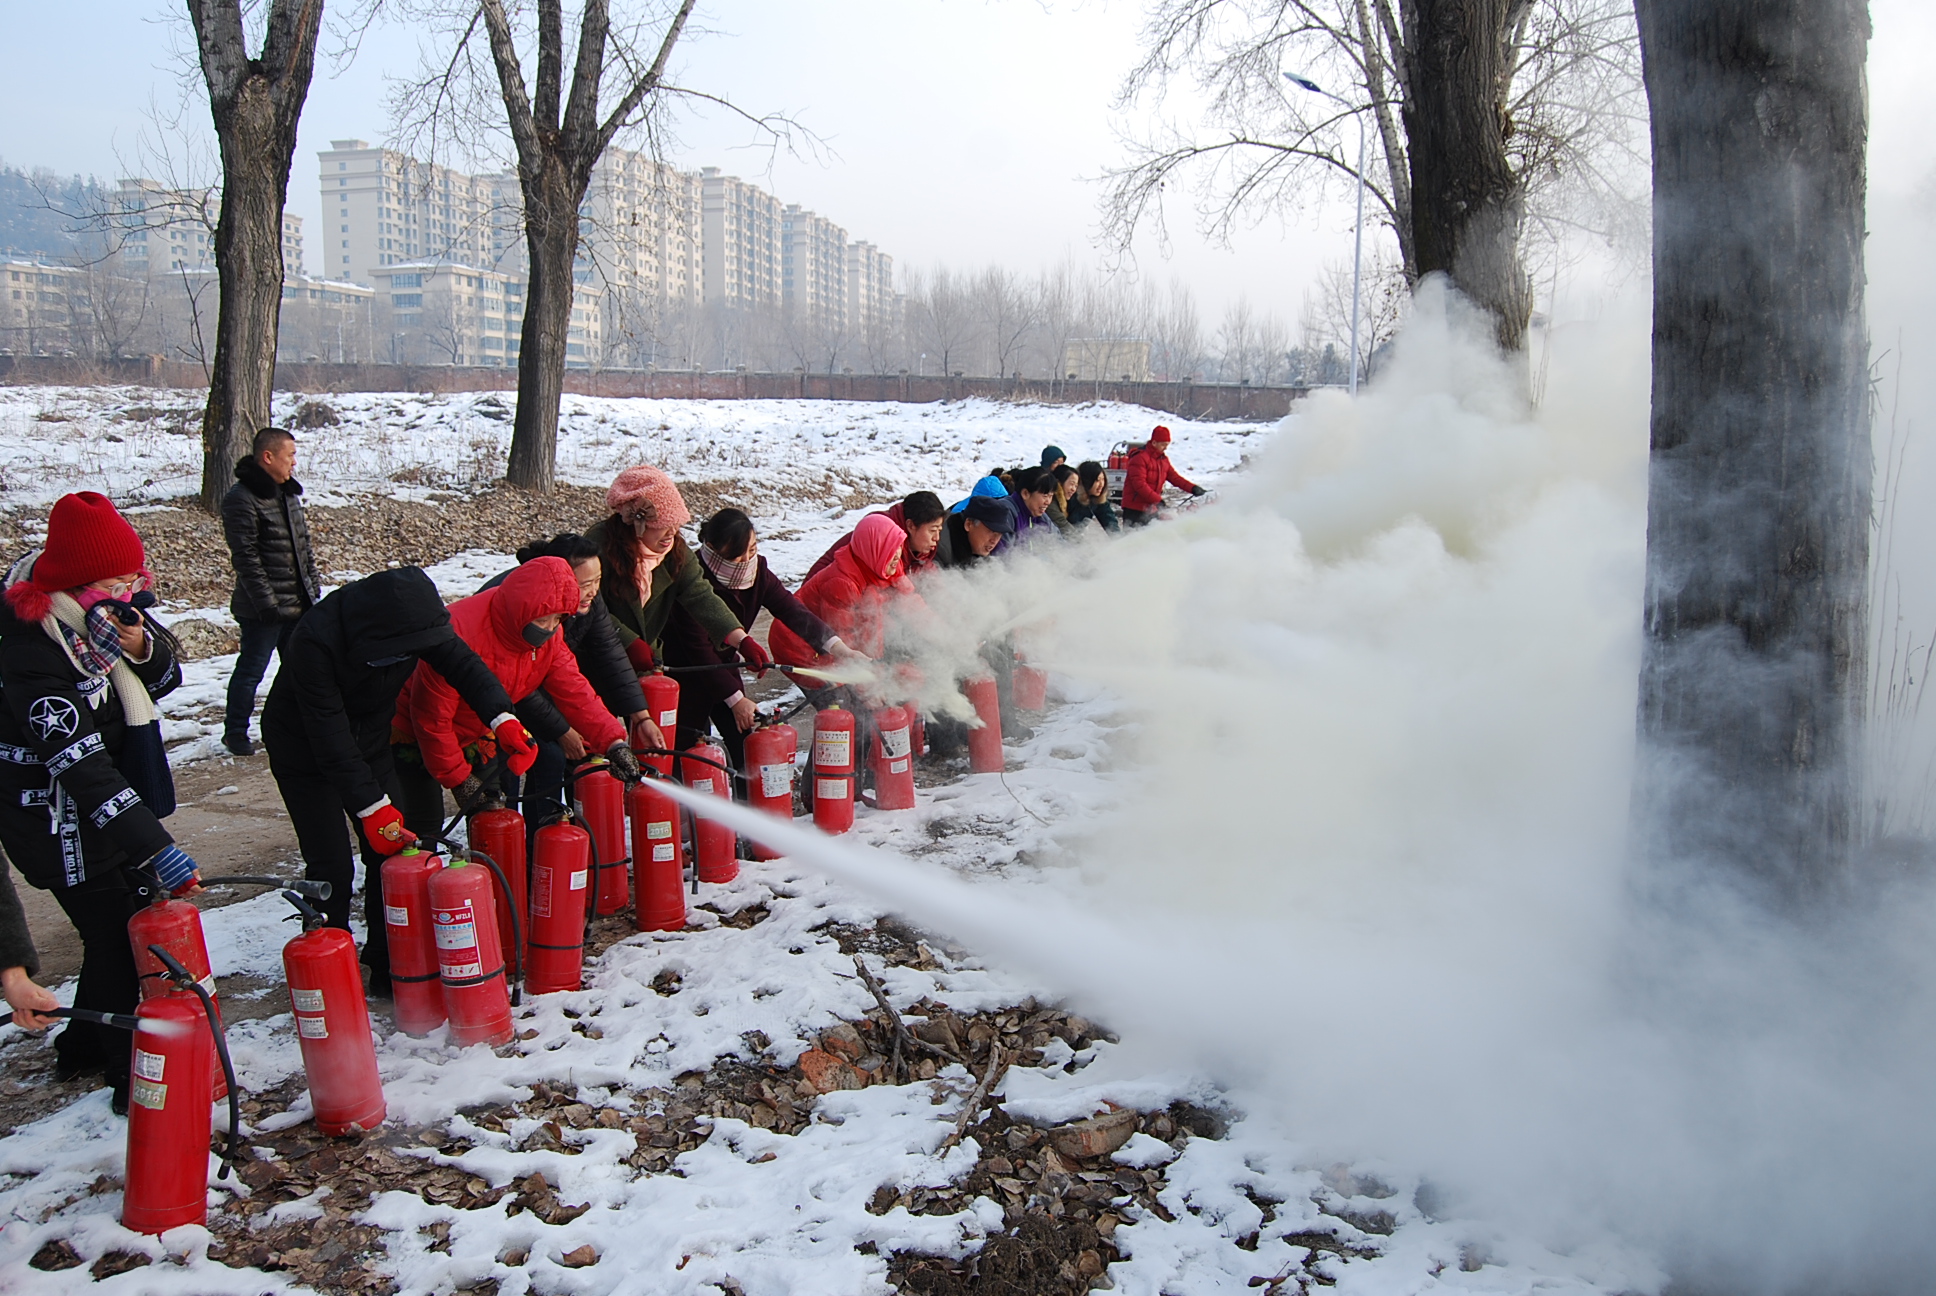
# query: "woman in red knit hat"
[[84, 780]]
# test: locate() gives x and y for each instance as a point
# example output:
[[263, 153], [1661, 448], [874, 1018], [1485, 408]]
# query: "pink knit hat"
[[649, 491]]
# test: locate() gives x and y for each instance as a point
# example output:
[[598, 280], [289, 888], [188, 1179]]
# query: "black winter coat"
[[954, 550], [66, 814], [688, 644], [330, 709], [275, 572], [592, 637]]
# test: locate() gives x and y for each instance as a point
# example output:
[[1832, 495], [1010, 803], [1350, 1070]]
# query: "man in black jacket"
[[275, 572], [971, 535], [327, 729]]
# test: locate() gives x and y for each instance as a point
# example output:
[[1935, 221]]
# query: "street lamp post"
[[1358, 237]]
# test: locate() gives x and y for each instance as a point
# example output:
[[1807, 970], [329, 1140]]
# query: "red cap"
[[1161, 434]]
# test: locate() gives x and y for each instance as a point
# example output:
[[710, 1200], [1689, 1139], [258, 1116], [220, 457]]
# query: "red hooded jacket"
[[429, 712], [1149, 468], [912, 564], [851, 593]]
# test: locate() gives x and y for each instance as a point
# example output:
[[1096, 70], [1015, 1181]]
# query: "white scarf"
[[136, 705]]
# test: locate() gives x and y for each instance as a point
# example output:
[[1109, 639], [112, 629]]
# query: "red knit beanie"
[[1161, 434], [87, 541], [648, 489]]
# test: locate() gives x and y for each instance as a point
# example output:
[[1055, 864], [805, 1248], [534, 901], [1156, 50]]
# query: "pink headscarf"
[[877, 547]]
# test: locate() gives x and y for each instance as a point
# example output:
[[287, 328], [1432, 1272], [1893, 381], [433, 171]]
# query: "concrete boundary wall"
[[1183, 400]]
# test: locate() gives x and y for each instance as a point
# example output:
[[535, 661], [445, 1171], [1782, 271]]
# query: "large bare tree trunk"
[[1467, 202], [551, 243], [256, 104], [1754, 675]]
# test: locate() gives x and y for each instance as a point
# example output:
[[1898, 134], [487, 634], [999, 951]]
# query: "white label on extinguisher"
[[668, 719], [146, 1093], [396, 916], [306, 1001], [833, 750], [776, 780], [455, 929], [312, 1027], [655, 831], [830, 789], [661, 854], [897, 767], [894, 742], [207, 983], [579, 879], [149, 1066], [702, 785]]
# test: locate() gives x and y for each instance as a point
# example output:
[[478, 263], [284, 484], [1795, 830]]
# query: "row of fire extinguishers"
[[451, 921]]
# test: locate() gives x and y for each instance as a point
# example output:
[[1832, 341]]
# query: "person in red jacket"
[[514, 628], [851, 594], [1149, 471], [921, 516]]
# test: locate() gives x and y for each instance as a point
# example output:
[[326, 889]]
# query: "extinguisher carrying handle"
[[516, 958], [180, 976], [308, 889]]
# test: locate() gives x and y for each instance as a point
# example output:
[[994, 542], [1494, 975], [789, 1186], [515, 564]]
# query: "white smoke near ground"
[[1374, 874]]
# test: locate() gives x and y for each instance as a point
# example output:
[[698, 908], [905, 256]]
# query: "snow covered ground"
[[750, 1210]]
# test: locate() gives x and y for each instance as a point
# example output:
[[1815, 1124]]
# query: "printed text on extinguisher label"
[[776, 780], [661, 854], [312, 1027], [455, 929], [667, 719], [579, 877], [894, 742], [897, 767], [147, 1093], [830, 789], [833, 750], [149, 1066], [658, 831], [541, 891], [306, 1001], [702, 785], [396, 916]]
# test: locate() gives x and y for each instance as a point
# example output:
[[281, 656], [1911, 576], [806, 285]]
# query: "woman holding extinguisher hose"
[[84, 780]]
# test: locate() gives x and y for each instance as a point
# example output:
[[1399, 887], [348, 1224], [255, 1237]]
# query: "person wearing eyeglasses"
[[648, 568], [275, 571], [84, 781]]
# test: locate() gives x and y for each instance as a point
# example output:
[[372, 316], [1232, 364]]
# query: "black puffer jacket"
[[275, 572], [329, 710], [66, 814]]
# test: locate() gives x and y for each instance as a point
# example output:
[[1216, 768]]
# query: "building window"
[[406, 299], [406, 281]]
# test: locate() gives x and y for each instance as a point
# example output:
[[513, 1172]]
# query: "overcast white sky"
[[960, 131]]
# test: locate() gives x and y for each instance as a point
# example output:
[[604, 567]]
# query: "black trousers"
[[324, 831], [100, 908]]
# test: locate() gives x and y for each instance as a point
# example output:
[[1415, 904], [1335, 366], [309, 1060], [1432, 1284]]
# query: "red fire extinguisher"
[[561, 863], [600, 801], [332, 1025], [414, 976], [715, 846], [833, 769], [770, 754], [658, 860], [891, 753], [662, 701], [470, 960], [985, 742], [499, 836], [1031, 687], [168, 1106]]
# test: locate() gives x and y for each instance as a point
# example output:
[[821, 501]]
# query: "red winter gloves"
[[383, 826], [514, 740], [639, 653], [753, 655]]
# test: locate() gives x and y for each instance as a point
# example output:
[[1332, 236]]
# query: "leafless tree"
[[1237, 341], [1384, 302], [1058, 294], [1176, 336], [117, 303], [1476, 109], [941, 309], [256, 102], [1009, 313], [449, 323]]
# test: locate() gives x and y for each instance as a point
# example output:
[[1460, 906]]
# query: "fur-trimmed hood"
[[260, 483]]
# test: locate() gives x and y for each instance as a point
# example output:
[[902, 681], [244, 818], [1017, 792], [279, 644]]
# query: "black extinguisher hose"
[[179, 975]]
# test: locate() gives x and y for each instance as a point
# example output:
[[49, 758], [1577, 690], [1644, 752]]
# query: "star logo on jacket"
[[52, 716]]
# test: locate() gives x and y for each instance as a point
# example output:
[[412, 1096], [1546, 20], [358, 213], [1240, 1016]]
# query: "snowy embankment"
[[749, 1209]]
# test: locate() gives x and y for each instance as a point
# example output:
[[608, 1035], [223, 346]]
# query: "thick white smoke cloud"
[[1377, 867]]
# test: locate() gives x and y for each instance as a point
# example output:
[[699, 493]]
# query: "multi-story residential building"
[[642, 229], [326, 320], [41, 307], [292, 247], [161, 230], [739, 243], [813, 269], [382, 208], [872, 303], [441, 312]]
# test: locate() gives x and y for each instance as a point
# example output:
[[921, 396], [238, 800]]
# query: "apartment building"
[[41, 307], [441, 312], [292, 244], [382, 208], [163, 231], [642, 231], [739, 243], [813, 269], [872, 303]]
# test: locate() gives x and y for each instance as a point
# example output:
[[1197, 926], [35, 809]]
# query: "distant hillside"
[[40, 212]]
